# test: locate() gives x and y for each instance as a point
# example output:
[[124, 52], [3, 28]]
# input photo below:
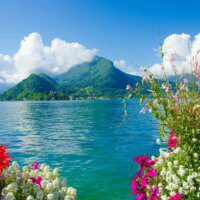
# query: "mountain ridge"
[[96, 79]]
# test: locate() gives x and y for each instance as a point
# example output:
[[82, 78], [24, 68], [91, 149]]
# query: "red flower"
[[4, 158]]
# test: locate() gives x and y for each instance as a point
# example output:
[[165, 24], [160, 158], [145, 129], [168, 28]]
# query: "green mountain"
[[36, 87], [98, 78]]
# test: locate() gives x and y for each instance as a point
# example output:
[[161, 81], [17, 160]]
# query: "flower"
[[141, 196], [144, 181], [172, 142], [35, 166], [37, 180], [152, 172], [176, 196], [134, 185], [5, 159], [158, 141], [128, 87], [154, 194], [144, 161]]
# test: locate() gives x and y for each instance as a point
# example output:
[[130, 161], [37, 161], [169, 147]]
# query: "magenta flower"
[[134, 186], [172, 142], [143, 161], [141, 196], [35, 166], [152, 172], [37, 180], [139, 173], [176, 196], [144, 181], [154, 194]]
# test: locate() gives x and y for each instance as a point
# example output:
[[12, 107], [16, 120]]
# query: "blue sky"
[[119, 29]]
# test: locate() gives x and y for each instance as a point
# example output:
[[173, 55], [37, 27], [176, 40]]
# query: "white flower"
[[185, 185], [169, 164], [39, 195], [46, 168], [192, 188], [68, 198], [158, 141], [12, 186], [153, 157], [50, 197], [181, 172], [56, 183], [25, 168], [15, 165], [10, 196], [30, 197], [172, 193], [176, 162], [43, 183], [194, 139], [55, 171], [64, 189], [177, 150], [196, 155], [30, 182], [164, 197], [49, 186], [71, 191]]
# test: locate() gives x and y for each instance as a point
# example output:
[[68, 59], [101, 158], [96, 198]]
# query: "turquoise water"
[[92, 142]]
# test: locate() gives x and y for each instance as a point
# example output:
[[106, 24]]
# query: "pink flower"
[[154, 194], [152, 172], [134, 186], [172, 142], [37, 180], [176, 196], [144, 181], [140, 197], [139, 173], [144, 161], [35, 166]]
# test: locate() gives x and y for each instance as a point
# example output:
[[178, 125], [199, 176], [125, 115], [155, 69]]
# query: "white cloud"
[[122, 65], [179, 50], [34, 57]]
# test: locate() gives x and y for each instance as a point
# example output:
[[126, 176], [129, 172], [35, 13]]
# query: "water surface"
[[91, 142]]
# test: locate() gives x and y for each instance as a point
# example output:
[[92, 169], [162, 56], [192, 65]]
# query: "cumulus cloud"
[[123, 66], [179, 50], [34, 57]]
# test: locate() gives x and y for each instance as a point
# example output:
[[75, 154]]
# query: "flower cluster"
[[176, 105], [4, 158], [142, 183], [34, 182]]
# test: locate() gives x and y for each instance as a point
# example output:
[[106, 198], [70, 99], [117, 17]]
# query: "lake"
[[91, 142]]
